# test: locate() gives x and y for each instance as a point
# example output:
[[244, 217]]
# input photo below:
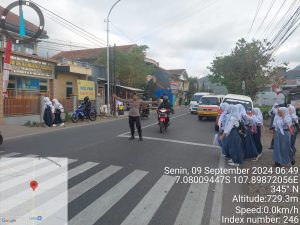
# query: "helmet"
[[166, 98], [86, 98]]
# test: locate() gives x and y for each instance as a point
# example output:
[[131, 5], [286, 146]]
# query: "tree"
[[150, 89], [130, 68], [193, 86], [247, 62]]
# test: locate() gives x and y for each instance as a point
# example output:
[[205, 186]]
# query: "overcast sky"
[[180, 34]]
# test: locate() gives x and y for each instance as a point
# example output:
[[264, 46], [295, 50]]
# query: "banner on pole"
[[6, 66]]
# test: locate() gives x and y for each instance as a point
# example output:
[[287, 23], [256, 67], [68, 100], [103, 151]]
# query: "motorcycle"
[[144, 113], [79, 114], [163, 119]]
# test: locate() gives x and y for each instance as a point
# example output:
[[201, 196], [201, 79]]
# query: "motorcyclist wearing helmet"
[[144, 106], [86, 105], [166, 105]]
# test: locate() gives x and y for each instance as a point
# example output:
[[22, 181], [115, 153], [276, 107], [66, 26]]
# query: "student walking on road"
[[134, 113], [283, 152]]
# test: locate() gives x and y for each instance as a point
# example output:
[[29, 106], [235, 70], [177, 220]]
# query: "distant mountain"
[[297, 68]]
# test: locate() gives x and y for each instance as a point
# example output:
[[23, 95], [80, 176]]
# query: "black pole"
[[115, 59]]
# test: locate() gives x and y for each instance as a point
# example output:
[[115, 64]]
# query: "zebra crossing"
[[190, 212]]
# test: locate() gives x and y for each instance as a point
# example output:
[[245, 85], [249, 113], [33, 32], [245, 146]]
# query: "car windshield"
[[210, 101], [196, 98], [246, 104]]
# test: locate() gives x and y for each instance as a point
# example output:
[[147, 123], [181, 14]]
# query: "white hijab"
[[47, 102], [257, 116], [243, 114], [279, 121], [233, 120], [292, 113], [57, 104], [222, 118]]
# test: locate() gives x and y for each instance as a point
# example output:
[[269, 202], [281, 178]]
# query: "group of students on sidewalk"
[[285, 126], [240, 134], [50, 108]]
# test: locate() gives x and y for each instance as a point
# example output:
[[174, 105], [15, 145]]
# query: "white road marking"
[[59, 129], [23, 196], [191, 211], [10, 154], [49, 205], [100, 206], [21, 171], [150, 125], [216, 210], [144, 211], [91, 182], [176, 141], [82, 168], [8, 161]]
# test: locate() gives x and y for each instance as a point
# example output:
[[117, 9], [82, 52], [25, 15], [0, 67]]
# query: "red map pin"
[[33, 184]]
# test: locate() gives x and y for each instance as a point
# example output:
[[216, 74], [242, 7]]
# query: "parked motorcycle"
[[79, 114], [163, 119]]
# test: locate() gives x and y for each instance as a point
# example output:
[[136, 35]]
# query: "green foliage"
[[247, 62], [33, 124], [130, 68], [193, 86], [67, 116]]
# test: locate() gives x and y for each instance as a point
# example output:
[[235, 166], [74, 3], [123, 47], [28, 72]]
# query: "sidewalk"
[[12, 131]]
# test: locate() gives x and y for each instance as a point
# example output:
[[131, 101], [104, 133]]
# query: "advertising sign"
[[31, 67], [86, 88]]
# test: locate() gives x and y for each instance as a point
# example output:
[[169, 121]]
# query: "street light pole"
[[107, 56]]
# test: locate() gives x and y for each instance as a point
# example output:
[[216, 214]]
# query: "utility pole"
[[243, 86], [107, 59]]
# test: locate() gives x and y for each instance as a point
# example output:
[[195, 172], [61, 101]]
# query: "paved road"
[[116, 181]]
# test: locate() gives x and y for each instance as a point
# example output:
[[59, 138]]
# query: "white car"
[[234, 99], [195, 101]]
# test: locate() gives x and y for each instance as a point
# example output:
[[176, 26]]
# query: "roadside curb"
[[43, 130]]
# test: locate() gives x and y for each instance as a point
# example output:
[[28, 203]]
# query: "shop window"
[[43, 88], [11, 86], [69, 89]]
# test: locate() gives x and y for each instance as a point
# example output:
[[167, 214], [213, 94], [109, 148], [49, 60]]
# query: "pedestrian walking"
[[232, 133], [134, 113], [295, 125], [256, 135], [58, 109], [48, 112], [250, 151], [273, 112], [225, 107], [282, 153]]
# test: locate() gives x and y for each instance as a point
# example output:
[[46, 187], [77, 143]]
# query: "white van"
[[195, 101]]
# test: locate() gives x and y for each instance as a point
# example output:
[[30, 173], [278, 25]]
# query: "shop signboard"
[[25, 66], [86, 88]]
